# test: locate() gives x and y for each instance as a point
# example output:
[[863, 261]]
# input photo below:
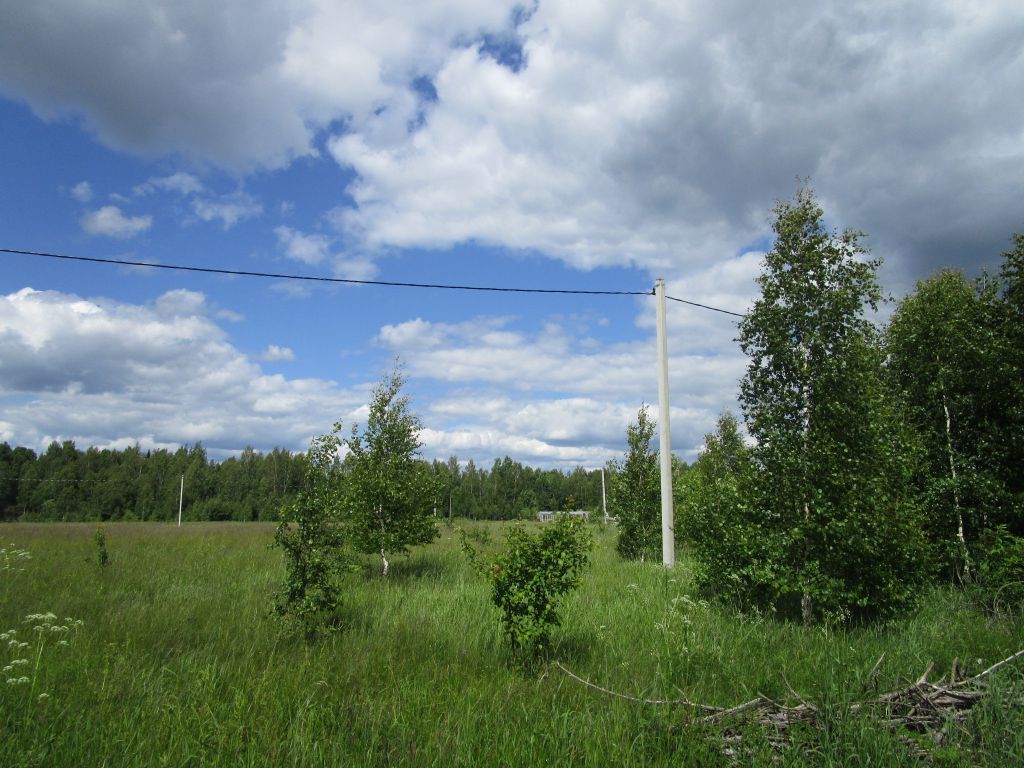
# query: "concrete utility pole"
[[604, 502], [668, 542], [181, 496]]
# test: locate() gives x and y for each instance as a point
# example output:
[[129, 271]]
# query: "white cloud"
[[82, 192], [228, 209], [659, 134], [558, 390], [634, 130], [309, 249], [180, 182], [317, 248], [274, 353], [244, 84], [111, 222], [102, 372]]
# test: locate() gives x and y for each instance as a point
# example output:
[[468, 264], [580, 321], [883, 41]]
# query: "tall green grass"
[[179, 662]]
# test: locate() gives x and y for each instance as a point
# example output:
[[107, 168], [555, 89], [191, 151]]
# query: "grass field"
[[178, 662]]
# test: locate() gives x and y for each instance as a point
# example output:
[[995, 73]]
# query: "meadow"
[[178, 661]]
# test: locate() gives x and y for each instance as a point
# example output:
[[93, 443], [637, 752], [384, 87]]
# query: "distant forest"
[[65, 483]]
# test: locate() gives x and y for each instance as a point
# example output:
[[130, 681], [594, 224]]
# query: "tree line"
[[882, 456], [66, 483]]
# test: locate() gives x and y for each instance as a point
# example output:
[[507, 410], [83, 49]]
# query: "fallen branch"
[[922, 707], [627, 697]]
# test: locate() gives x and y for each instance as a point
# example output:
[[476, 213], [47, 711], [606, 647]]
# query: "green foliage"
[[635, 493], [100, 540], [1000, 578], [948, 370], [65, 483], [717, 516], [533, 573], [177, 664], [389, 496], [839, 529], [312, 539]]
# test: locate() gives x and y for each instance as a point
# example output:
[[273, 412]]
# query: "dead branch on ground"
[[925, 708]]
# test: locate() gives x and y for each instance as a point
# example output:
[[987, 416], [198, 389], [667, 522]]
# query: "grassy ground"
[[179, 662]]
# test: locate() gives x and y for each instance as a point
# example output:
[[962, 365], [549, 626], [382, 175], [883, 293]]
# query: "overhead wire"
[[320, 278], [705, 306], [351, 281]]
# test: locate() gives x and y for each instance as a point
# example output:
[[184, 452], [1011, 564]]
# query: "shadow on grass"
[[571, 647], [419, 566]]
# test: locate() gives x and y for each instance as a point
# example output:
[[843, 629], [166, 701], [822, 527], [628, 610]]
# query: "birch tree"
[[943, 367], [831, 469], [390, 495]]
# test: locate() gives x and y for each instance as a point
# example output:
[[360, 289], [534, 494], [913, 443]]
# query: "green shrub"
[[635, 494], [102, 556], [313, 542], [533, 572], [1001, 570]]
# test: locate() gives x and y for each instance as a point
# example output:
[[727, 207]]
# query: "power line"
[[706, 306], [320, 278], [351, 281]]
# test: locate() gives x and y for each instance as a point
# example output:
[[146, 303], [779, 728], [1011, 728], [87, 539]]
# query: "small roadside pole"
[[668, 543], [181, 496]]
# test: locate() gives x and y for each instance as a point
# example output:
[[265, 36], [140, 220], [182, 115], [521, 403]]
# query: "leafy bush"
[[1001, 570], [313, 542], [635, 497], [732, 552], [532, 574]]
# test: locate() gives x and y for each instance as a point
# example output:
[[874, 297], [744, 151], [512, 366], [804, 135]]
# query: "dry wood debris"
[[923, 707]]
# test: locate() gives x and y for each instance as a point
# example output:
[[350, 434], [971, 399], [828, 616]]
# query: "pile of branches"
[[924, 708]]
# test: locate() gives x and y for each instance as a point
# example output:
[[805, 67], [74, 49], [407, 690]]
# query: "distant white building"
[[546, 516]]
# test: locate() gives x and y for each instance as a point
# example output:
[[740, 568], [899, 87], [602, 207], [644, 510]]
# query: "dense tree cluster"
[[880, 458], [65, 483]]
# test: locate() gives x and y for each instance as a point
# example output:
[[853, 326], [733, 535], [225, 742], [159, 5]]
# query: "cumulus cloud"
[[318, 248], [558, 390], [626, 131], [228, 209], [82, 192], [309, 249], [274, 353], [111, 222], [243, 85], [103, 372], [659, 134], [180, 182]]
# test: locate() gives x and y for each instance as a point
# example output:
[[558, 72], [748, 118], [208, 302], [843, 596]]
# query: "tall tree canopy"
[[842, 536]]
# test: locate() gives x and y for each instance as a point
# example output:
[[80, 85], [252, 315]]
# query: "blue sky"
[[564, 144]]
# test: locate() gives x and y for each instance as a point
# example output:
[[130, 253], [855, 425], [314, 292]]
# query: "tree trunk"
[[383, 535], [961, 539], [806, 601]]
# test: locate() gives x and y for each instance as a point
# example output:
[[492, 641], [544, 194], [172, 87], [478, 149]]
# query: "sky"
[[563, 144]]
